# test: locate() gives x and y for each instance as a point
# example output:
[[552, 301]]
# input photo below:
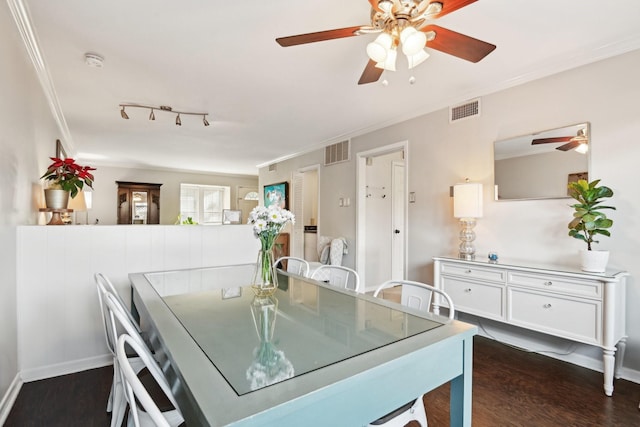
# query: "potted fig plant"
[[589, 221], [65, 179]]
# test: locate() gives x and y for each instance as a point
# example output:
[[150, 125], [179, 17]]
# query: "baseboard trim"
[[9, 398], [65, 368]]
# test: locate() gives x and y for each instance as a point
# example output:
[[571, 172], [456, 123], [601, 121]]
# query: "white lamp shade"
[[378, 49], [412, 41], [78, 204], [389, 63], [417, 58], [467, 200]]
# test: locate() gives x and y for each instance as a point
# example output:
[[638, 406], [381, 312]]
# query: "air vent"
[[336, 153], [464, 111], [273, 167]]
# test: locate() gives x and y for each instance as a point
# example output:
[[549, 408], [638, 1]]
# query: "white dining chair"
[[339, 276], [120, 323], [115, 403], [295, 265], [143, 410], [106, 284], [419, 296]]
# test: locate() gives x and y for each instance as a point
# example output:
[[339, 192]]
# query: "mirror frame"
[[526, 154]]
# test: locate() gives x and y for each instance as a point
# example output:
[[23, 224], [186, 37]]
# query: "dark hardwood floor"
[[510, 388]]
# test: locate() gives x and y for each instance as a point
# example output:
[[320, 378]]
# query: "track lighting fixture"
[[164, 108]]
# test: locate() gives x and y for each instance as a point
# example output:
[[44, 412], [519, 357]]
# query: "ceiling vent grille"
[[273, 167], [336, 153], [464, 111]]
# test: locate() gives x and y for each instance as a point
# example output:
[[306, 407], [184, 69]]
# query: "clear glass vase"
[[265, 278]]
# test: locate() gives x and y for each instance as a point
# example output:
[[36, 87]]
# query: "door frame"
[[297, 230], [361, 190]]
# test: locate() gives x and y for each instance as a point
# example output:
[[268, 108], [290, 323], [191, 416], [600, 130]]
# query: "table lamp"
[[78, 204], [467, 205]]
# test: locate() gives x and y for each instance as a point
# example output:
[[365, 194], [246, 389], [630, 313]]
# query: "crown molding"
[[21, 17]]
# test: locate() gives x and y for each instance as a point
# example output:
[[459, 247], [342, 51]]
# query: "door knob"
[[396, 231]]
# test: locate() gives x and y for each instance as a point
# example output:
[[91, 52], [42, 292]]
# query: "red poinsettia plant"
[[66, 174]]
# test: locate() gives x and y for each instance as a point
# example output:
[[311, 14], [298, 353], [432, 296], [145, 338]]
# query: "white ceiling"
[[267, 102]]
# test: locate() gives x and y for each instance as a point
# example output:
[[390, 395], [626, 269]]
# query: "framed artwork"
[[277, 194], [60, 153], [228, 293], [230, 216]]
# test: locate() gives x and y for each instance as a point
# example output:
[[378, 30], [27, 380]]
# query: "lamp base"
[[467, 250]]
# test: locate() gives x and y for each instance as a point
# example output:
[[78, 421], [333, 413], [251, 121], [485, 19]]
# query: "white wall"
[[59, 324], [605, 94], [105, 189], [27, 138]]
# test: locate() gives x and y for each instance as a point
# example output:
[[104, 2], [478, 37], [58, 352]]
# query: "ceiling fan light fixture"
[[582, 148], [417, 58], [385, 5], [378, 49], [389, 63], [123, 114], [412, 41]]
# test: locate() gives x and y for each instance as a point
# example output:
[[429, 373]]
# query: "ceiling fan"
[[403, 23], [572, 142]]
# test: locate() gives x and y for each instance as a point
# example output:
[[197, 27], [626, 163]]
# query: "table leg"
[[460, 400]]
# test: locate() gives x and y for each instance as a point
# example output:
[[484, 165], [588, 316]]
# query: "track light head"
[[178, 121], [123, 114], [152, 116], [205, 121]]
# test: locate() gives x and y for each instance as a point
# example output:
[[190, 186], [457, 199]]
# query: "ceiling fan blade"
[[551, 140], [449, 6], [569, 146], [457, 44], [370, 74], [319, 36]]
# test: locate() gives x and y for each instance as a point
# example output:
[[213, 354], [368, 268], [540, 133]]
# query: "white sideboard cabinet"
[[560, 301]]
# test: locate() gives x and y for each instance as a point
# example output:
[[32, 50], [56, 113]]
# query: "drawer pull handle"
[[548, 283], [547, 305], [468, 290], [468, 271]]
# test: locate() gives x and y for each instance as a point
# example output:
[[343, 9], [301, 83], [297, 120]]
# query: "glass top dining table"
[[235, 358]]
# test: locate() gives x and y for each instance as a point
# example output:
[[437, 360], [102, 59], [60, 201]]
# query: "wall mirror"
[[540, 165]]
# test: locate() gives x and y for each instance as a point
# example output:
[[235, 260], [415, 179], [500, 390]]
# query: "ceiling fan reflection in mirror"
[[403, 25], [579, 142]]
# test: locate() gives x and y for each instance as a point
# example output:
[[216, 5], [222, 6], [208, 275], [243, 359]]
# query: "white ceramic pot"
[[594, 261], [56, 199]]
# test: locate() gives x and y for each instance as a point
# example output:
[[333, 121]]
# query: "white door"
[[381, 215], [397, 219], [247, 199]]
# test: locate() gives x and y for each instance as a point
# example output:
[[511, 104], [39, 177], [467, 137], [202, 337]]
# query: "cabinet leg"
[[622, 346], [609, 359]]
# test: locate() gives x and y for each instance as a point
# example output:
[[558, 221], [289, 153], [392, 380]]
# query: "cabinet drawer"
[[574, 318], [493, 274], [559, 284], [482, 299]]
